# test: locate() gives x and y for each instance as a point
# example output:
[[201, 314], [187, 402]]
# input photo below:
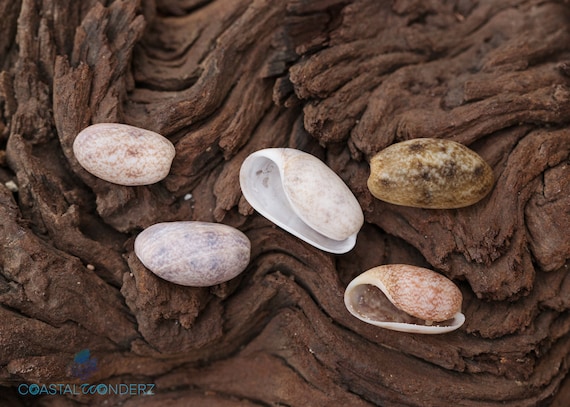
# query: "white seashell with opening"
[[300, 194]]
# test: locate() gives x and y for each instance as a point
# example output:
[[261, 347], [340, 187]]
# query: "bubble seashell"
[[430, 302], [300, 194], [192, 253], [124, 154], [429, 173]]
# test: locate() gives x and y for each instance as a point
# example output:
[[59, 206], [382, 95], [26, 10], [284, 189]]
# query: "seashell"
[[192, 253], [124, 154], [430, 302], [299, 193], [429, 173]]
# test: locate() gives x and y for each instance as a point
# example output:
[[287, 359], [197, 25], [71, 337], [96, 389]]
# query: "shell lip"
[[261, 176], [454, 323]]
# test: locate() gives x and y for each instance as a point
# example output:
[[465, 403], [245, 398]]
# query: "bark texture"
[[339, 79]]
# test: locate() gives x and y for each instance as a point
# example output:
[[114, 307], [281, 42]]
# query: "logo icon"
[[84, 365]]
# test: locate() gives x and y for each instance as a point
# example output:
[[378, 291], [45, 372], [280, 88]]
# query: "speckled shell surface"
[[421, 293], [123, 154], [429, 173], [192, 253], [299, 193]]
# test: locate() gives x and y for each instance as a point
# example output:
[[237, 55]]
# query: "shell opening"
[[371, 303]]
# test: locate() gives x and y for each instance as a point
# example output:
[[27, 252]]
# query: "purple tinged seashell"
[[192, 253]]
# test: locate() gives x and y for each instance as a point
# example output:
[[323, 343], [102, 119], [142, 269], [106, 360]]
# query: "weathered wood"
[[341, 80]]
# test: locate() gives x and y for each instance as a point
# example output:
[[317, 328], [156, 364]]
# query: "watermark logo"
[[101, 389], [84, 365]]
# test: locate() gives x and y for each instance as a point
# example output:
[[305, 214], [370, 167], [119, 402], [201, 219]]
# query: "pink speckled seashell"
[[124, 154], [431, 301]]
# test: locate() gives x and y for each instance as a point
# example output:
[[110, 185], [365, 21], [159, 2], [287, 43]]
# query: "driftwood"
[[341, 80]]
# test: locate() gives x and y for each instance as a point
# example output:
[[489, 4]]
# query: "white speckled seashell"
[[197, 254], [405, 298], [124, 154], [429, 173], [299, 193]]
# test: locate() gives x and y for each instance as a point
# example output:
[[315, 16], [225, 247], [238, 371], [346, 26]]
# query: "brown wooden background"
[[341, 80]]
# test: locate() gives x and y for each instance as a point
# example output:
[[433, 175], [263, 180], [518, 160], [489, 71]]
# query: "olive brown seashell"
[[429, 173]]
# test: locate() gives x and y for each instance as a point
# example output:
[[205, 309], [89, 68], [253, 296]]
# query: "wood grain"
[[341, 80]]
